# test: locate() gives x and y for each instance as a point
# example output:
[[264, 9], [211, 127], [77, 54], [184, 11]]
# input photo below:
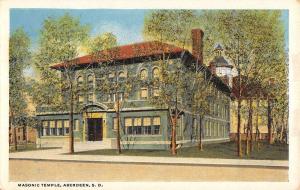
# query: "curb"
[[279, 166]]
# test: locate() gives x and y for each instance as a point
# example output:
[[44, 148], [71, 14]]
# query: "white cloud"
[[125, 34]]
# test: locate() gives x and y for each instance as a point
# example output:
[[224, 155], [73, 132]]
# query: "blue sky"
[[126, 24]]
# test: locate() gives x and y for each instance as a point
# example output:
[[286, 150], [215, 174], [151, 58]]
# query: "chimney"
[[197, 44]]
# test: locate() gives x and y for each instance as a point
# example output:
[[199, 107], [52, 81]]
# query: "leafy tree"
[[254, 42], [112, 82], [101, 42], [59, 41], [199, 97], [19, 59], [173, 27]]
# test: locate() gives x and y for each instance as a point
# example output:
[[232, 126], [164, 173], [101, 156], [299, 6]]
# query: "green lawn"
[[221, 150], [28, 147]]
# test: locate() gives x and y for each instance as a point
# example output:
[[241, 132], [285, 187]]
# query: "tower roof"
[[218, 47]]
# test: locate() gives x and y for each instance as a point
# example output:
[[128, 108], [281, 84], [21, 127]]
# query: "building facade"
[[143, 125]]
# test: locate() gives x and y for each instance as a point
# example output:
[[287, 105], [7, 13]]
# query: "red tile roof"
[[136, 50], [249, 88]]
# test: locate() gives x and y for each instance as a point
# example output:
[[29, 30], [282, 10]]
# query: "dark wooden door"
[[95, 129]]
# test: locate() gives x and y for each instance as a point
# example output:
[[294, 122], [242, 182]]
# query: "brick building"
[[143, 126]]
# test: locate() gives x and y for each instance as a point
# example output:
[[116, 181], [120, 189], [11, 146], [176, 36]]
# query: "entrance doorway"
[[95, 129]]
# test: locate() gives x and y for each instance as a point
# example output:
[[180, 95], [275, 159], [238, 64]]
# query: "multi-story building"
[[223, 69], [143, 125]]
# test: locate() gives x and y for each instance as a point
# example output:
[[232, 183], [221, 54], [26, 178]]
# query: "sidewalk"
[[59, 155]]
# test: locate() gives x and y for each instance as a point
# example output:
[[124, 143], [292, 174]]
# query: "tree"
[[171, 26], [19, 58], [59, 41], [200, 97], [113, 82], [254, 44]]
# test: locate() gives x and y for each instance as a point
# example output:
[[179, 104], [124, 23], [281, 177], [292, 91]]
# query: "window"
[[215, 129], [111, 75], [144, 93], [90, 80], [66, 127], [80, 99], [90, 97], [115, 125], [210, 128], [137, 126], [142, 126], [211, 108], [221, 130], [156, 125], [143, 74], [147, 125], [112, 97], [155, 72], [156, 91], [59, 127], [79, 81], [121, 96], [52, 128], [76, 125], [45, 130], [219, 71], [226, 112], [122, 74], [128, 125]]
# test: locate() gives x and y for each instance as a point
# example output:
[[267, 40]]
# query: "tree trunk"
[[25, 134], [256, 124], [200, 145], [118, 127], [239, 140], [247, 149], [71, 139], [173, 137], [250, 124], [247, 142], [14, 131], [15, 138], [282, 128], [270, 122]]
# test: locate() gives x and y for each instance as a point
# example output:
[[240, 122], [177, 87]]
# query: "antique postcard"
[[140, 95]]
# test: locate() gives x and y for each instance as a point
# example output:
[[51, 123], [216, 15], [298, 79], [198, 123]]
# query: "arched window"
[[90, 79], [155, 72], [122, 74], [79, 81], [143, 74], [111, 75]]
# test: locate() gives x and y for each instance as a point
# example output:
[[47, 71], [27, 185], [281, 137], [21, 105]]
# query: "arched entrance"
[[94, 129], [94, 116]]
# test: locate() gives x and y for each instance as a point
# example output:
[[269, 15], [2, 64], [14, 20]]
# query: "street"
[[48, 170]]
